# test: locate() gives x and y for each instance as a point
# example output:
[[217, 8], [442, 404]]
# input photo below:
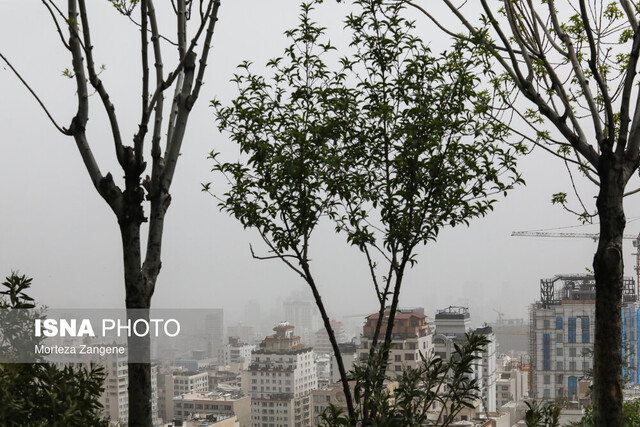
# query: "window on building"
[[558, 322], [572, 330], [547, 324], [572, 388], [572, 352], [397, 358], [409, 356], [559, 338], [559, 351], [585, 365], [559, 366], [546, 379], [586, 336], [546, 393], [559, 378], [398, 368], [505, 387], [546, 352], [572, 366]]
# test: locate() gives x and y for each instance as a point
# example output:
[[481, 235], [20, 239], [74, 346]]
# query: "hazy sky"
[[56, 228]]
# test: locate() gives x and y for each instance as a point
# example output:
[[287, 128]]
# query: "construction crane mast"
[[594, 237]]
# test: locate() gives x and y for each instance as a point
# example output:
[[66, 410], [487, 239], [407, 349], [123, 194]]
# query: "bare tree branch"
[[49, 5], [98, 85], [610, 123], [37, 98], [79, 122]]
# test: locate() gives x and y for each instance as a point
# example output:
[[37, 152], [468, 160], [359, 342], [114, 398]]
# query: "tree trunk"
[[138, 302], [608, 268]]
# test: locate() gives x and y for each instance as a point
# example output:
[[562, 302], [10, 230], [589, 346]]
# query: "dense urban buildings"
[[286, 382]]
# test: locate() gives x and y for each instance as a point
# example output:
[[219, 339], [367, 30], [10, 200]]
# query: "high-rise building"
[[214, 332], [452, 325], [631, 342], [562, 330], [304, 314], [489, 374], [279, 380], [322, 344], [411, 337]]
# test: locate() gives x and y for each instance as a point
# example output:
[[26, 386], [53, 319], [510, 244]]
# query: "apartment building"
[[410, 338], [452, 325], [562, 332], [280, 379]]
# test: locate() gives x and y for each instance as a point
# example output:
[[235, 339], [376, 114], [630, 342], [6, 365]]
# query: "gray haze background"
[[56, 228]]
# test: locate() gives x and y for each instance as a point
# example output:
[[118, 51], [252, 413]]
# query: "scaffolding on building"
[[532, 350], [578, 287]]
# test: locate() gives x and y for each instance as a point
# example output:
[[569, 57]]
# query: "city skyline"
[[60, 232]]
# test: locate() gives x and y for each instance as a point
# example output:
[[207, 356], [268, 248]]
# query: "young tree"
[[575, 65], [391, 146], [127, 200], [435, 383]]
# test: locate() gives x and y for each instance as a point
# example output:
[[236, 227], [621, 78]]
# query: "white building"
[[562, 331], [190, 382], [452, 324], [280, 379], [115, 397], [240, 352]]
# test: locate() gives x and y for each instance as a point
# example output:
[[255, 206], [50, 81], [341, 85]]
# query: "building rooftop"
[[400, 315], [453, 312], [211, 396]]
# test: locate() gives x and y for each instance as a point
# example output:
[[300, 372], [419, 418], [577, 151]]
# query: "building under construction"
[[562, 331]]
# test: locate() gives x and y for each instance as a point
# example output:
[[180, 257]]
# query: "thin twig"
[[44, 108]]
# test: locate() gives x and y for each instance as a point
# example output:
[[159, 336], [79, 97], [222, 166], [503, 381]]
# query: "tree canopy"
[[391, 144]]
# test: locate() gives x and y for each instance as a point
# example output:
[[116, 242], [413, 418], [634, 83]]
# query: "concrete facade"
[[280, 379]]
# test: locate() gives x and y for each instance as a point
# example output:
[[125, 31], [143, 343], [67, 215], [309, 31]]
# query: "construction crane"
[[500, 315], [594, 237]]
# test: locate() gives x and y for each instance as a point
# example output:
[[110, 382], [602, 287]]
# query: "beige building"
[[411, 337], [512, 383], [176, 383], [333, 394], [280, 379]]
